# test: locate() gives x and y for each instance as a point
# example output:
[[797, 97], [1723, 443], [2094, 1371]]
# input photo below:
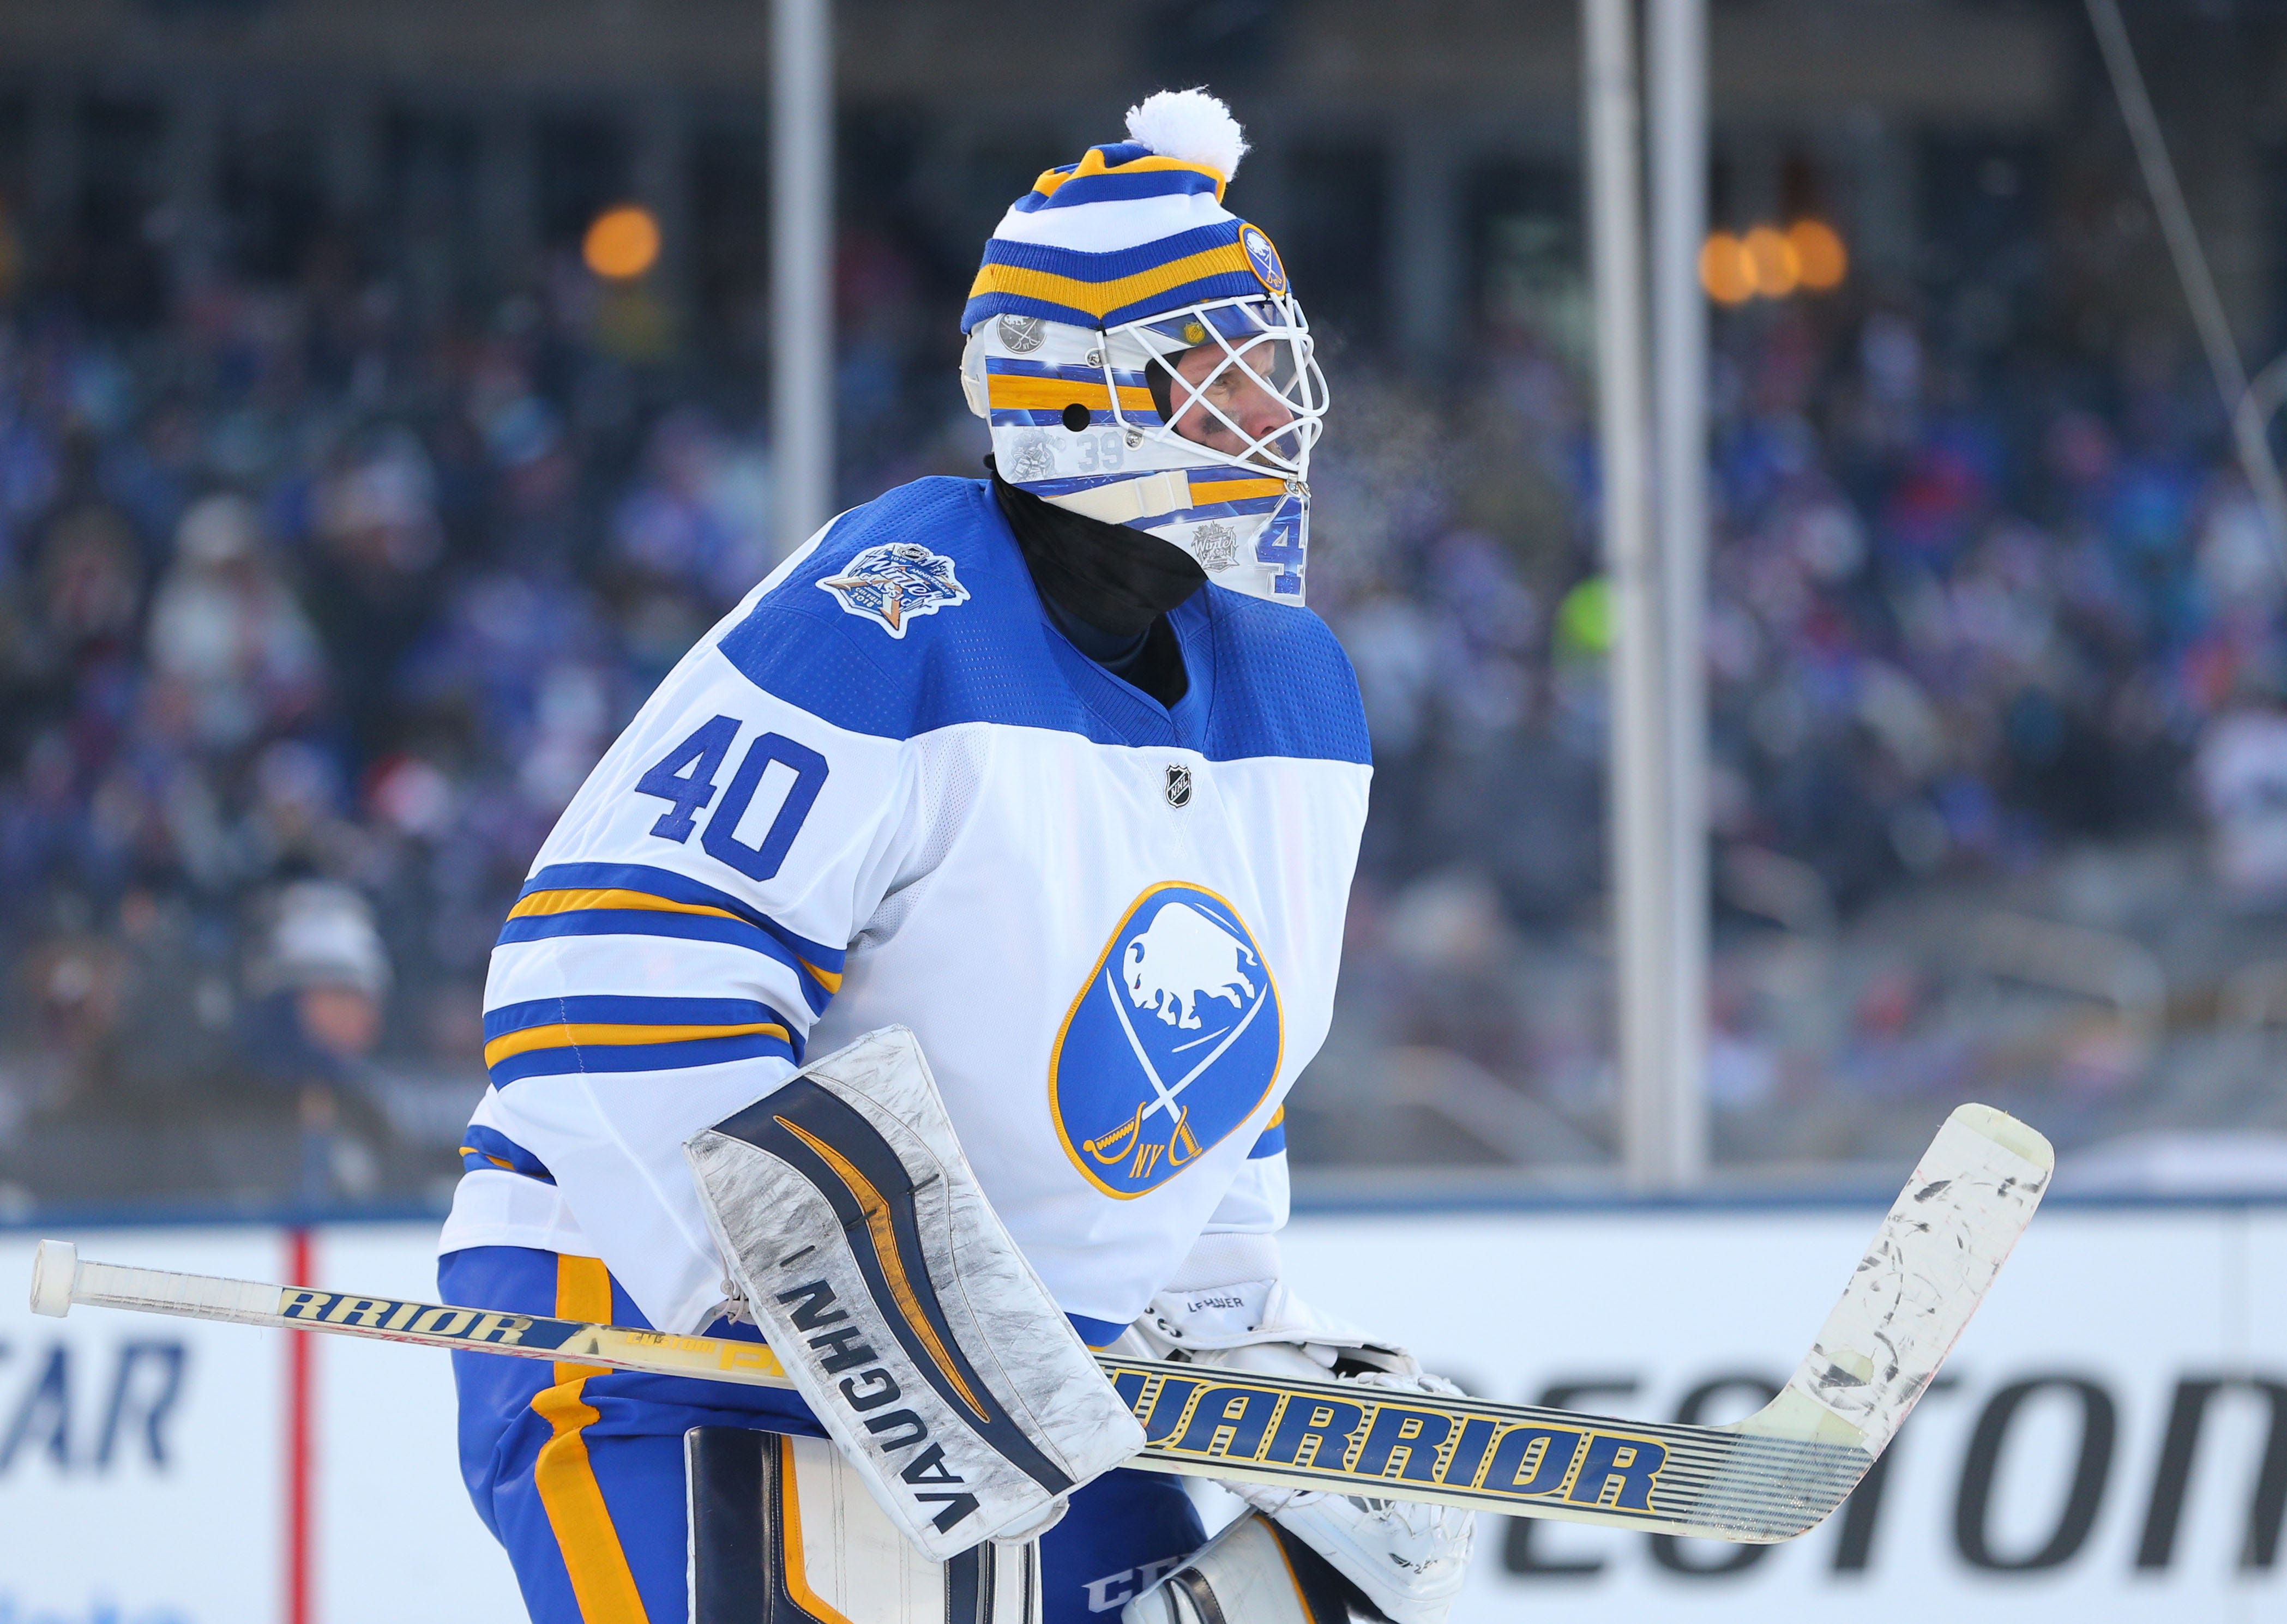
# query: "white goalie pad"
[[850, 1222], [784, 1529]]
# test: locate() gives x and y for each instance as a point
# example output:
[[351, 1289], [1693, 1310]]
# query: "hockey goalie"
[[915, 985]]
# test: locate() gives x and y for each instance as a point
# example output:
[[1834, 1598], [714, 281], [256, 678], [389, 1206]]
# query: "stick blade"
[[55, 1268], [1908, 1302], [1939, 1248]]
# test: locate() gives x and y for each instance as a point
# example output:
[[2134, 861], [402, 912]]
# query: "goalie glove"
[[1408, 1559]]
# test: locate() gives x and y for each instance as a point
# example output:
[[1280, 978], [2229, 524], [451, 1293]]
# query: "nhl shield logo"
[[1179, 785], [894, 583], [1170, 1046]]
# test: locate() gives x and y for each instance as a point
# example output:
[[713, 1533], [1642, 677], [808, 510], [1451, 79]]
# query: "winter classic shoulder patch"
[[894, 583]]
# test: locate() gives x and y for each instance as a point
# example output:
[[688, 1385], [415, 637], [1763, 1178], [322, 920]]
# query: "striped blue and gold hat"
[[1134, 228], [1120, 317]]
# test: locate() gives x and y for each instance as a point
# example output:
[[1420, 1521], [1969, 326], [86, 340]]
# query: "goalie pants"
[[578, 1470]]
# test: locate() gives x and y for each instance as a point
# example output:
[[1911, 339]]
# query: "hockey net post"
[[1769, 1478]]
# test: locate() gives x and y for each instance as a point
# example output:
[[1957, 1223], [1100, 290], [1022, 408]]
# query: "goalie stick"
[[1769, 1478]]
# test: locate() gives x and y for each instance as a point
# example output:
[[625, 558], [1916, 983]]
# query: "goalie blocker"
[[852, 1223]]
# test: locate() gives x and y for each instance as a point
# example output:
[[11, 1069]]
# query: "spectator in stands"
[[2242, 768], [228, 635], [372, 572], [320, 986]]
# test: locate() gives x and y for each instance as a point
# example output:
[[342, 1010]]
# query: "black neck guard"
[[1119, 581]]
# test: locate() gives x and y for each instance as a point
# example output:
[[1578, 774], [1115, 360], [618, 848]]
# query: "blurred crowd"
[[1944, 631], [1976, 613], [313, 615], [312, 618]]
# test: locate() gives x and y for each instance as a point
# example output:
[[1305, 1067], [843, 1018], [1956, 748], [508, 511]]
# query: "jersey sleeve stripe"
[[612, 1009], [483, 1147], [1272, 1141], [818, 983], [563, 1035], [599, 1032], [590, 1034], [579, 1049], [670, 887], [540, 903]]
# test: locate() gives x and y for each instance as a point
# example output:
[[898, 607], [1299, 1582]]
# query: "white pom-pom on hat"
[[1191, 125]]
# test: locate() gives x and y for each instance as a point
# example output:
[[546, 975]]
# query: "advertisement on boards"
[[141, 1459], [161, 1470], [2109, 1441]]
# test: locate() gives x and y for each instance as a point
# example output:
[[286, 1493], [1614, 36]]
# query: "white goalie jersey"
[[886, 791]]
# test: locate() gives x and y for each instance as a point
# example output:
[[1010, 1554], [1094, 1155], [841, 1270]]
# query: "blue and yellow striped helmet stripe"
[[1106, 290], [1205, 248], [1118, 174]]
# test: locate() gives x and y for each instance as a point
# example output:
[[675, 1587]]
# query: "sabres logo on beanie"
[[1140, 356]]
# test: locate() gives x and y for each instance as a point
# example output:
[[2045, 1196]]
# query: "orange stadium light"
[[623, 243], [1818, 250], [1725, 270], [1772, 261]]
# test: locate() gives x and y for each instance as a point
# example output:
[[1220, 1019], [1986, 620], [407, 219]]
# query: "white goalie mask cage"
[[1195, 425]]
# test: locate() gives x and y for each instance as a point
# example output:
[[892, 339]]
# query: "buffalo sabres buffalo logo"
[[1172, 1044], [894, 583]]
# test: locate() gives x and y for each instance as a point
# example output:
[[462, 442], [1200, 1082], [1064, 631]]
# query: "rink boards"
[[2109, 1442]]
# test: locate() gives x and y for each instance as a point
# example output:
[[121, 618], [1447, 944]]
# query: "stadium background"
[[346, 510]]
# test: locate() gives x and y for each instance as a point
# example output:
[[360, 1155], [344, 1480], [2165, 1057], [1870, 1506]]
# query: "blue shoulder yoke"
[[1266, 679]]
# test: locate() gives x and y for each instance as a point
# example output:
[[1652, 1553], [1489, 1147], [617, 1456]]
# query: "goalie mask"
[[1140, 357]]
